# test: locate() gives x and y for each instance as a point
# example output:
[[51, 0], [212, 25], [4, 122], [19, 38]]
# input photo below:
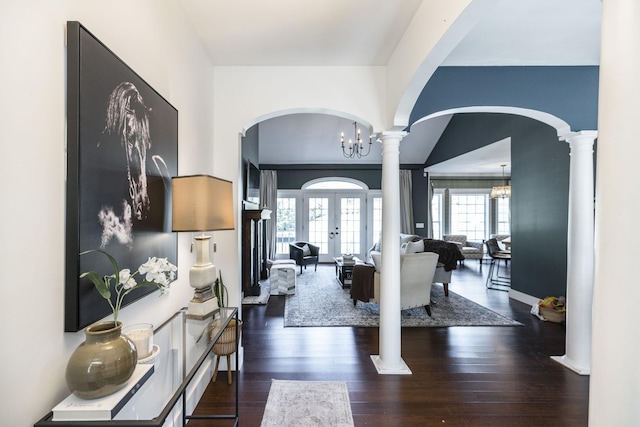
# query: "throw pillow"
[[306, 250], [377, 260], [415, 247], [403, 248]]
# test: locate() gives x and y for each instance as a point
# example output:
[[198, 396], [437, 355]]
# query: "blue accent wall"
[[540, 190], [293, 177], [569, 93]]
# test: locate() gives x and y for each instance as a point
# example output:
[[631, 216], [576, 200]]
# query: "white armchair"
[[416, 276]]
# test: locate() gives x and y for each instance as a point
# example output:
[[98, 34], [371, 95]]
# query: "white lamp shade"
[[201, 203]]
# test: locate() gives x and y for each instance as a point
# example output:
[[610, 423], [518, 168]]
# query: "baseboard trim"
[[522, 297]]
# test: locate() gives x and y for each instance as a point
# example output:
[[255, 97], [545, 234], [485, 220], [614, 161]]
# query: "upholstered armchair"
[[416, 276], [470, 250], [304, 253]]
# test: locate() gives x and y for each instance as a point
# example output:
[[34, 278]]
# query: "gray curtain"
[[406, 202], [269, 200]]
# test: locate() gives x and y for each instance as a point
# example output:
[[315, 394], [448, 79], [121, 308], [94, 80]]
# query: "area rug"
[[321, 301], [307, 403]]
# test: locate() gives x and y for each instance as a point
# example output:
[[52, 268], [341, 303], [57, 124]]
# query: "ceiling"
[[365, 32]]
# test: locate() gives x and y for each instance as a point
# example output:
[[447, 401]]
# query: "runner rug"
[[321, 301], [307, 403]]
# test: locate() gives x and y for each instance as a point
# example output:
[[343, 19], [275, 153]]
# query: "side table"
[[344, 270]]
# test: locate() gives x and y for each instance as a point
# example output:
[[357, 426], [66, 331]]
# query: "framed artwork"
[[122, 150]]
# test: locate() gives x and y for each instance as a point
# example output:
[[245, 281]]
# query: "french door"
[[336, 222]]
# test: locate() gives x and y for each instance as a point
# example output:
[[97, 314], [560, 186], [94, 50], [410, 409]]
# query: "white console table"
[[170, 395]]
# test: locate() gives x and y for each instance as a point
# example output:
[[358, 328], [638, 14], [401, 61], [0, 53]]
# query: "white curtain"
[[269, 200], [430, 207], [406, 202]]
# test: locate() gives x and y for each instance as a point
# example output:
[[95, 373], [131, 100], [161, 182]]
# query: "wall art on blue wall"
[[122, 150]]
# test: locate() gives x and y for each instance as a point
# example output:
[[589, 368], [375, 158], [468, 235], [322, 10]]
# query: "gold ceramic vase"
[[103, 363]]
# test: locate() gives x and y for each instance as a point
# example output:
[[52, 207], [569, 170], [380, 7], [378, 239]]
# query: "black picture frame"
[[122, 150]]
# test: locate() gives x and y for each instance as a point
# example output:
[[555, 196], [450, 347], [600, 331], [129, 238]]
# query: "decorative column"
[[580, 253], [614, 390], [390, 361]]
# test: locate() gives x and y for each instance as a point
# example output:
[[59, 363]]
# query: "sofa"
[[470, 250], [416, 276]]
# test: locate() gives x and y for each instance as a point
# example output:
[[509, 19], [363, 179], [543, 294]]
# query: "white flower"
[[156, 271], [126, 279]]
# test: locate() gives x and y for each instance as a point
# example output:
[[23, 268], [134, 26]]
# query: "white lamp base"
[[199, 310], [201, 277]]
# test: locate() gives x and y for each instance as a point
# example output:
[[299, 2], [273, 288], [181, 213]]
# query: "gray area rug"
[[321, 301], [307, 403]]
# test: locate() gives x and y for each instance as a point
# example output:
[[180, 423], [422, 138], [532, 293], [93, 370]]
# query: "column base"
[[568, 363], [403, 369]]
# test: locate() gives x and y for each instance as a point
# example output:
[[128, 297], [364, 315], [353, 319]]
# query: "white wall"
[[154, 38]]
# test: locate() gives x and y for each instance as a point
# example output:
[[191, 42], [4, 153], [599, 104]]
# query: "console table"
[[184, 344]]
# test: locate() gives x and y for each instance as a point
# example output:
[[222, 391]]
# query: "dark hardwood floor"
[[462, 376]]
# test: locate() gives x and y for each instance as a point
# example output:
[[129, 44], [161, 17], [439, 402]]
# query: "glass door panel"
[[350, 225], [318, 224]]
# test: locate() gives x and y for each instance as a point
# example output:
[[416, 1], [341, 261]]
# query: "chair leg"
[[490, 273], [229, 368], [355, 302], [428, 308], [446, 289], [494, 280], [215, 371]]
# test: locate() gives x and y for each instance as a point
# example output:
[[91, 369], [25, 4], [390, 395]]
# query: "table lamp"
[[202, 203]]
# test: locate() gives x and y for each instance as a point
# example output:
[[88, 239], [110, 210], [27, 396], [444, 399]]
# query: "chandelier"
[[501, 191], [354, 149]]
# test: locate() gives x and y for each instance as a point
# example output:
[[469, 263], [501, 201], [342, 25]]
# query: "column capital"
[[582, 134], [392, 134]]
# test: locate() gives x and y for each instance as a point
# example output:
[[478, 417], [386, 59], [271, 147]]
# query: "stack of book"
[[105, 408], [348, 260]]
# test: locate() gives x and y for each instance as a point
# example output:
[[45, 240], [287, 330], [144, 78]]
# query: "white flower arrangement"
[[157, 272]]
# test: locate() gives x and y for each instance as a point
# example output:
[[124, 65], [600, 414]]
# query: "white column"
[[580, 255], [614, 385], [389, 361]]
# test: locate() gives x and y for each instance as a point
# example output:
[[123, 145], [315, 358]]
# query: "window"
[[335, 183], [286, 227], [469, 214], [319, 223], [504, 215], [350, 225], [377, 219], [436, 212]]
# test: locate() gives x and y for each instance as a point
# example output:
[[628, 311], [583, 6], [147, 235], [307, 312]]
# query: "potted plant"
[[226, 344], [106, 360]]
